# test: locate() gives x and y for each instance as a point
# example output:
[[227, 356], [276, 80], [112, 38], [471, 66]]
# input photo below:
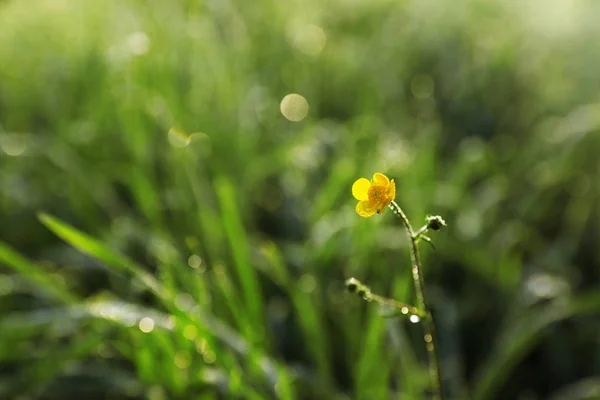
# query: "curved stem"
[[428, 324], [402, 307]]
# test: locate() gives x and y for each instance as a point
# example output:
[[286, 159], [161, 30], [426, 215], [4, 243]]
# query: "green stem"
[[428, 325], [421, 231], [402, 307]]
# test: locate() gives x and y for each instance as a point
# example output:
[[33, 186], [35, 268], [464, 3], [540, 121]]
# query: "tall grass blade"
[[45, 281]]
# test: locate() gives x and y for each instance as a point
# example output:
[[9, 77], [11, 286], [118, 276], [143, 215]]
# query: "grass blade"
[[44, 280], [90, 246], [518, 342], [238, 241]]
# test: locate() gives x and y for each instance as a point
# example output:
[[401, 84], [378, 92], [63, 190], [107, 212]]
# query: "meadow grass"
[[166, 233]]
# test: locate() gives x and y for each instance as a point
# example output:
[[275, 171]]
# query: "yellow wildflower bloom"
[[374, 195]]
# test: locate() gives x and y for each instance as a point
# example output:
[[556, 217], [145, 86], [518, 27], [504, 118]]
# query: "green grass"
[[235, 234]]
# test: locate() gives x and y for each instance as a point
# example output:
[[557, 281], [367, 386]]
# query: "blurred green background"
[[171, 229]]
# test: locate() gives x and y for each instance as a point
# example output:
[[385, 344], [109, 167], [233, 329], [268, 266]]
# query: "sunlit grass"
[[191, 164]]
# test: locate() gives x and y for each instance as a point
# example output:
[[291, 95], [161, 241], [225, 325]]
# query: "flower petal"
[[361, 188], [391, 190], [380, 179], [365, 209]]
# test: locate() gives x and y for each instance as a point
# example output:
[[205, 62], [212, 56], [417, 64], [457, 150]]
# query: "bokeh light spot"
[[469, 223], [177, 138], [308, 39], [170, 322], [182, 360], [184, 302], [307, 283], [195, 261], [190, 332], [414, 319], [201, 346], [156, 392], [146, 324], [14, 144], [201, 142], [209, 357], [294, 107], [138, 43], [546, 286]]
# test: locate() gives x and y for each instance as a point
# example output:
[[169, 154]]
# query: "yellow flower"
[[374, 195]]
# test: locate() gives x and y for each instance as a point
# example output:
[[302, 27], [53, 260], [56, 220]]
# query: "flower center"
[[376, 192]]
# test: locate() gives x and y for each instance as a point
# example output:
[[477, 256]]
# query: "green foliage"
[[193, 243]]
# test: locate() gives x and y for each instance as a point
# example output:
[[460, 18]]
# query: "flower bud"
[[352, 285], [435, 222]]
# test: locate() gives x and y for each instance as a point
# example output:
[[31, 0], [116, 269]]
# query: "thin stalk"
[[402, 307], [428, 325]]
